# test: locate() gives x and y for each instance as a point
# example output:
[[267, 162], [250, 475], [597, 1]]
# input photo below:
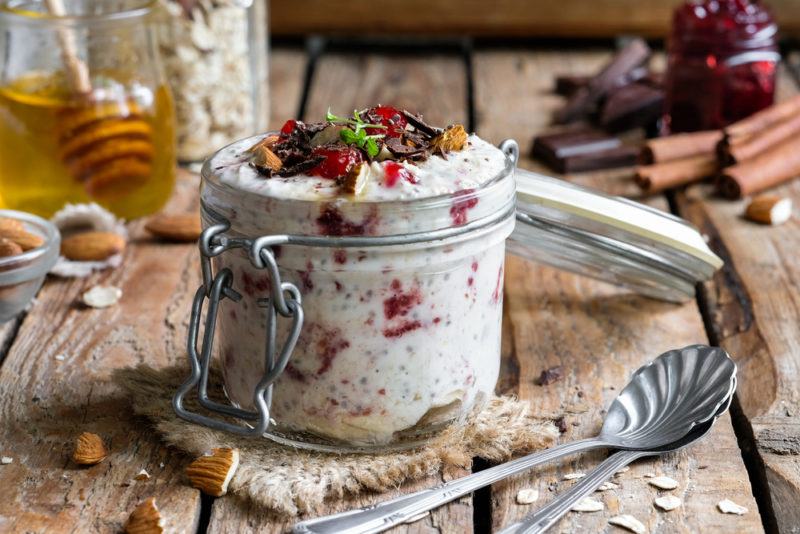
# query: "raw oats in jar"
[[215, 57]]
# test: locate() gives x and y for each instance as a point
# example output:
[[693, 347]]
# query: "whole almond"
[[9, 248], [92, 246], [7, 223], [89, 449], [178, 227], [25, 239]]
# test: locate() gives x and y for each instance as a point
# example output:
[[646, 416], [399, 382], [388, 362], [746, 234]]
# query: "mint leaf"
[[372, 147], [348, 136]]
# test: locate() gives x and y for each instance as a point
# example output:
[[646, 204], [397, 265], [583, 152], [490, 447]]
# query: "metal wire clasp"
[[284, 300]]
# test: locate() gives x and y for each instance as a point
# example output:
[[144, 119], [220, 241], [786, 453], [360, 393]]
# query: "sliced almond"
[[587, 504], [92, 246], [355, 180], [212, 472], [727, 506], [9, 248], [329, 134], [527, 496], [628, 522], [664, 483], [25, 239], [667, 502], [89, 449], [145, 519], [453, 138], [769, 209], [179, 227]]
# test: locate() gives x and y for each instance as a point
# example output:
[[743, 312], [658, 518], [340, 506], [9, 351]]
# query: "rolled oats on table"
[[207, 59]]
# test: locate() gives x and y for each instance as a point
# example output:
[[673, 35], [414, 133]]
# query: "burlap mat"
[[290, 481]]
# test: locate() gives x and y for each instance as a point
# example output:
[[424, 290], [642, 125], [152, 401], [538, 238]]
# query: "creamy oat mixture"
[[396, 340]]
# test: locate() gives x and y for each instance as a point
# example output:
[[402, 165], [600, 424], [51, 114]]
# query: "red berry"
[[388, 116], [289, 126], [338, 160], [393, 171]]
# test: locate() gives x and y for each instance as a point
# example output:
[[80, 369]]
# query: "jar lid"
[[609, 238]]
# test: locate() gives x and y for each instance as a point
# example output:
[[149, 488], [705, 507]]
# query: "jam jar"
[[369, 323], [722, 60]]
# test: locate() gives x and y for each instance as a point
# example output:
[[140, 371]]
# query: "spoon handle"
[[548, 516], [385, 515]]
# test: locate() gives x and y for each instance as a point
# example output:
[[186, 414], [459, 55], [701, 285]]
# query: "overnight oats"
[[397, 339]]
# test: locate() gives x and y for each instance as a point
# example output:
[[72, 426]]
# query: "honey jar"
[[85, 114]]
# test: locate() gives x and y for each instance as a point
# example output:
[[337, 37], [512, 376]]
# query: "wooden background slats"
[[618, 332]]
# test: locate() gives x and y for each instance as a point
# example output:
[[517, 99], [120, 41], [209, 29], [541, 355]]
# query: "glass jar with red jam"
[[723, 56]]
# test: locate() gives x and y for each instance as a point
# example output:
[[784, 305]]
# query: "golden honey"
[[115, 147]]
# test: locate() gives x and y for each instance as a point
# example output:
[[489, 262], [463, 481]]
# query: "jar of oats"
[[215, 59]]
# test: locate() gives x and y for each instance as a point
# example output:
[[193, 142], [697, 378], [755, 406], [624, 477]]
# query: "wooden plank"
[[501, 18], [344, 83], [600, 334], [753, 308], [46, 403]]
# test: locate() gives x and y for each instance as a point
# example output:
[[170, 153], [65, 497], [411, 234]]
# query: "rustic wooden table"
[[599, 333]]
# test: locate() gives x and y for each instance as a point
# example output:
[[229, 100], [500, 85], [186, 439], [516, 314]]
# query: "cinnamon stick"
[[680, 146], [734, 151], [762, 120], [661, 176], [772, 167]]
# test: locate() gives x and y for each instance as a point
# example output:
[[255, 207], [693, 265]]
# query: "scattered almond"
[[212, 472], [727, 506], [769, 209], [102, 296], [92, 246], [178, 227], [453, 138], [628, 522], [266, 158], [587, 504], [664, 483], [527, 496], [269, 141], [355, 180], [89, 449], [145, 519], [9, 248], [25, 239], [667, 502]]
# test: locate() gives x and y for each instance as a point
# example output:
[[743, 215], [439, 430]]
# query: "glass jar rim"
[[13, 12]]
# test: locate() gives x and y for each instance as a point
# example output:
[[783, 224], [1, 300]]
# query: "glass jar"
[[370, 325], [722, 62], [85, 115], [215, 56]]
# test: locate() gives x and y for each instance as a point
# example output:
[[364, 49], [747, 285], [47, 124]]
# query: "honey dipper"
[[105, 145]]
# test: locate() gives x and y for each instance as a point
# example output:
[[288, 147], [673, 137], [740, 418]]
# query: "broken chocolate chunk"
[[417, 122], [568, 84], [629, 58], [301, 166], [636, 105], [551, 375], [582, 150], [400, 150]]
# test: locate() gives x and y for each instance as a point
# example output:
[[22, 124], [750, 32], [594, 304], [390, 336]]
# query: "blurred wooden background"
[[490, 18]]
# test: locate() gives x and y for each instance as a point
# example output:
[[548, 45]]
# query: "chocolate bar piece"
[[582, 150], [633, 106], [632, 56], [567, 85]]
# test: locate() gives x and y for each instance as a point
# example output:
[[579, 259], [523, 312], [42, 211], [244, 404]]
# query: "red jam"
[[394, 172], [390, 117], [338, 160], [723, 56]]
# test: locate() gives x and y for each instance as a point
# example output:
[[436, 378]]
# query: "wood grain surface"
[[598, 333], [500, 18], [753, 309]]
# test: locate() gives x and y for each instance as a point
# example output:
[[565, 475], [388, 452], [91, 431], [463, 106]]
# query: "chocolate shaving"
[[417, 122], [400, 150], [301, 166]]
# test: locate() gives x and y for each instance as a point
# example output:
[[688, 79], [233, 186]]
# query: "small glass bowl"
[[21, 276]]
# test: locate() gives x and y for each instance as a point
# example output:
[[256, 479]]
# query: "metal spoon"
[[663, 401], [548, 516]]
